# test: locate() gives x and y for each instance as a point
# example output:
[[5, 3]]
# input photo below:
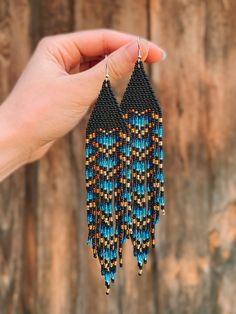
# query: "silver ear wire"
[[139, 50], [106, 69]]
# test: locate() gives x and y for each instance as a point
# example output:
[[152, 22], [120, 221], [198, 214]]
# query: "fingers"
[[120, 62], [68, 48]]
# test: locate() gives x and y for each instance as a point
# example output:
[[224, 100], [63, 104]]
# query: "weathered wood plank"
[[14, 15], [184, 277], [220, 49], [198, 103], [56, 214]]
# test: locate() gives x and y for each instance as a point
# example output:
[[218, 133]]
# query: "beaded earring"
[[107, 170], [142, 113]]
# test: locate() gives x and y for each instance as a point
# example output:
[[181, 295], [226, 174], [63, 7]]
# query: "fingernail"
[[132, 49], [163, 53]]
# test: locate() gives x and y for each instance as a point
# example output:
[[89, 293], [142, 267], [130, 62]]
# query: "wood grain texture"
[[56, 215], [14, 15], [45, 264], [200, 150]]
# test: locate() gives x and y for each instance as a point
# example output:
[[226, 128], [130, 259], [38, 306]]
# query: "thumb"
[[119, 63]]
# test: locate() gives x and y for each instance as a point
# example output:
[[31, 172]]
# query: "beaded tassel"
[[107, 151], [141, 111]]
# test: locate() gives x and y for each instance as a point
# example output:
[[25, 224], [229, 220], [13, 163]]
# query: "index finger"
[[93, 43]]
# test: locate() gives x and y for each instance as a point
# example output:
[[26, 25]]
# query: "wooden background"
[[45, 265]]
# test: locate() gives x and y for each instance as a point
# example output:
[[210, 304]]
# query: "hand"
[[61, 81]]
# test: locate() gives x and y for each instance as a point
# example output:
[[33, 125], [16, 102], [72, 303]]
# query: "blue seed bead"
[[100, 139], [139, 166], [145, 257], [116, 231], [143, 144], [143, 167], [100, 162], [157, 175], [89, 195], [161, 131], [107, 254], [161, 177], [139, 235], [89, 241], [105, 232], [111, 230], [128, 173], [143, 188], [143, 235], [132, 119], [156, 153], [139, 189], [127, 151], [105, 208], [140, 258], [110, 140], [107, 278], [87, 152], [162, 201], [157, 199], [89, 218], [156, 129], [161, 154], [88, 173]]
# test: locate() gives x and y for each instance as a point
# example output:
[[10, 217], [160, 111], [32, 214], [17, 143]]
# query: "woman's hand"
[[61, 81]]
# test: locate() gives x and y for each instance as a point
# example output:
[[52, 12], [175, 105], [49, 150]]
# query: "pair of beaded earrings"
[[124, 172]]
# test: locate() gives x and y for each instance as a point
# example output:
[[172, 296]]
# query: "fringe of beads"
[[108, 196], [107, 167], [142, 113], [124, 174]]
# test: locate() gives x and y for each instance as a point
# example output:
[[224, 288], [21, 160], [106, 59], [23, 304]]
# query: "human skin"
[[58, 86]]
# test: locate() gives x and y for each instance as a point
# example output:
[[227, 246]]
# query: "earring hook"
[[139, 50], [106, 69]]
